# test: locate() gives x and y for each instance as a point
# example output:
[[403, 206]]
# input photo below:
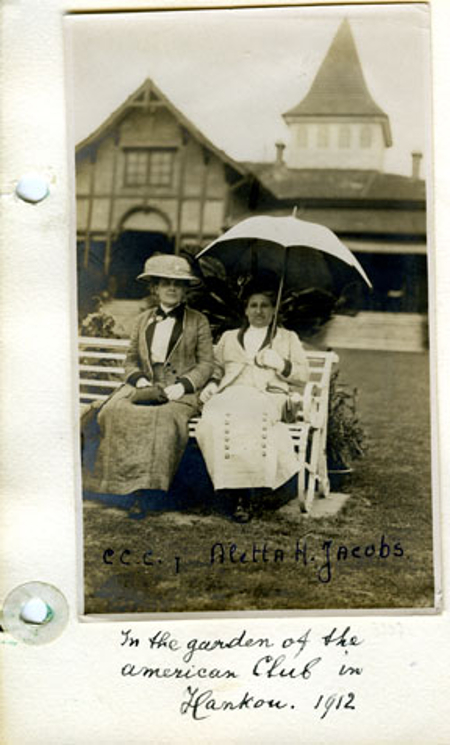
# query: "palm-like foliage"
[[220, 298]]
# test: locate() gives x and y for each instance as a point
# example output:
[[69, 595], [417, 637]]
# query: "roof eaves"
[[114, 119]]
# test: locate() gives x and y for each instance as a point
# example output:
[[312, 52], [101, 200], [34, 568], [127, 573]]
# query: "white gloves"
[[142, 383], [175, 391], [208, 391], [270, 358]]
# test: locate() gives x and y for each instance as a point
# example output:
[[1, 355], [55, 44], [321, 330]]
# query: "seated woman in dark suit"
[[144, 425]]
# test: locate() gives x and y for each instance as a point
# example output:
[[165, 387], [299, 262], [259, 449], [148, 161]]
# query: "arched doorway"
[[142, 232]]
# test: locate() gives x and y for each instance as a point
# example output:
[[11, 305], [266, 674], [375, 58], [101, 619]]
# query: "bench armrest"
[[312, 409]]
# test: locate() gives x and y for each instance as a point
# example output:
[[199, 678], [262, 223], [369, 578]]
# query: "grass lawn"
[[376, 552]]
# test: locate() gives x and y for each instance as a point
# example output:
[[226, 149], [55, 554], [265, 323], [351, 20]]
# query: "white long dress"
[[243, 440]]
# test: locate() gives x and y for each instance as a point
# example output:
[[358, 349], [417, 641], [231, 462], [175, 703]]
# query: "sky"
[[234, 72]]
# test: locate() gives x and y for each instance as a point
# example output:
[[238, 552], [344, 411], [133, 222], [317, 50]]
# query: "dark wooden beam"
[[109, 229], [87, 243], [203, 192], [181, 180]]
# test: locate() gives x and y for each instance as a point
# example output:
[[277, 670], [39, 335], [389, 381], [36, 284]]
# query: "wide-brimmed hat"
[[168, 266]]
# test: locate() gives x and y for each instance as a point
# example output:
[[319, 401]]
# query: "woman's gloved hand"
[[175, 391], [142, 383], [208, 392], [271, 359], [149, 395]]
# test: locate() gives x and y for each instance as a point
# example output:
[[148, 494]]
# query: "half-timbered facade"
[[147, 180]]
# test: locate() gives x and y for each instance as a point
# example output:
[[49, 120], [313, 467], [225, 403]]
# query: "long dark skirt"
[[137, 447]]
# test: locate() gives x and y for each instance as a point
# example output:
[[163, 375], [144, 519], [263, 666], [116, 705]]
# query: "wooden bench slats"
[[100, 383], [90, 397], [102, 369], [97, 342], [103, 355]]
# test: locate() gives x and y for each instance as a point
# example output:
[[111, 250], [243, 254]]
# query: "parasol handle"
[[278, 302]]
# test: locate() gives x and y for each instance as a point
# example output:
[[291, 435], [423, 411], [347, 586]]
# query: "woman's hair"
[[268, 293]]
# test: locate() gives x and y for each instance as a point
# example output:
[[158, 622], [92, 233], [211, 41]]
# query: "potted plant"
[[345, 435]]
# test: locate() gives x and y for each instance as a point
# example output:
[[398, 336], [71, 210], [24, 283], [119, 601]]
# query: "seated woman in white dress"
[[245, 443]]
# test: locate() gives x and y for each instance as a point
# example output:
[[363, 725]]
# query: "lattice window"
[[149, 166], [322, 135], [136, 167], [344, 138], [302, 135], [365, 136]]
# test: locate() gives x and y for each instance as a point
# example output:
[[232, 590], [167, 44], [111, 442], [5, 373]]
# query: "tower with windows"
[[338, 124]]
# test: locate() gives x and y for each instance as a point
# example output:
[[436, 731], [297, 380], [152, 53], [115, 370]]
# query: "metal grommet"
[[35, 613], [32, 188]]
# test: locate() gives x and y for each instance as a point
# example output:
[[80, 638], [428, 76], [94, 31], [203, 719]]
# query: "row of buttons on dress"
[[227, 437], [264, 435]]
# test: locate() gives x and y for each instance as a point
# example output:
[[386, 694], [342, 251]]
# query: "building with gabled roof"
[[149, 180]]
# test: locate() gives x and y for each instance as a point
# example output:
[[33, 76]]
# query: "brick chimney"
[[280, 150], [416, 161]]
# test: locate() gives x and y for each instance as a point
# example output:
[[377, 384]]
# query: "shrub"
[[346, 438]]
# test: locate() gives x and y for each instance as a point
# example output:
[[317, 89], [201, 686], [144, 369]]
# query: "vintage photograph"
[[254, 286]]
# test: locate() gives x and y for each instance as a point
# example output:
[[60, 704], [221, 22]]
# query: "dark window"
[[399, 283], [149, 166]]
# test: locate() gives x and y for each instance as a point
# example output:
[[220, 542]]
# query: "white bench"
[[101, 365]]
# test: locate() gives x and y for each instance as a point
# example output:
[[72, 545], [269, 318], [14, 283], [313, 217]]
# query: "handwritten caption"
[[323, 558], [308, 670]]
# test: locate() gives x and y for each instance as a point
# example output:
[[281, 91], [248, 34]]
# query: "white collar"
[[166, 309]]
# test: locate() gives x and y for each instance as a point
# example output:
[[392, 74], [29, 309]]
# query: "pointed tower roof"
[[339, 88]]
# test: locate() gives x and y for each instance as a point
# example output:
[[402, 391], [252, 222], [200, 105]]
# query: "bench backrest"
[[102, 370], [101, 365]]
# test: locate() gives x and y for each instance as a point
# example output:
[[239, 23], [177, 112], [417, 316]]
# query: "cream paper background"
[[70, 691]]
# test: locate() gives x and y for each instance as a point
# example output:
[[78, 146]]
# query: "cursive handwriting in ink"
[[201, 704], [334, 701]]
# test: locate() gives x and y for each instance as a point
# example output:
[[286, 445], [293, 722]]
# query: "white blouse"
[[161, 337], [253, 340]]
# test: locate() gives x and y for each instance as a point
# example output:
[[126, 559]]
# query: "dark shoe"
[[140, 515], [241, 514], [137, 511]]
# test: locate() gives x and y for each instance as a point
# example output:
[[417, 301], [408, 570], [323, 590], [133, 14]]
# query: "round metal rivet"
[[32, 188], [35, 613]]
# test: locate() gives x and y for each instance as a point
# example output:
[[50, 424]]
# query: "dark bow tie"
[[161, 314]]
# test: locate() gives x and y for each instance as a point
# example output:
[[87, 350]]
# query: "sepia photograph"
[[255, 308]]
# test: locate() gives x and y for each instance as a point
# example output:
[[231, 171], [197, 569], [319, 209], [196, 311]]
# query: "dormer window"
[[149, 166], [322, 135], [302, 135], [365, 136], [344, 136]]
